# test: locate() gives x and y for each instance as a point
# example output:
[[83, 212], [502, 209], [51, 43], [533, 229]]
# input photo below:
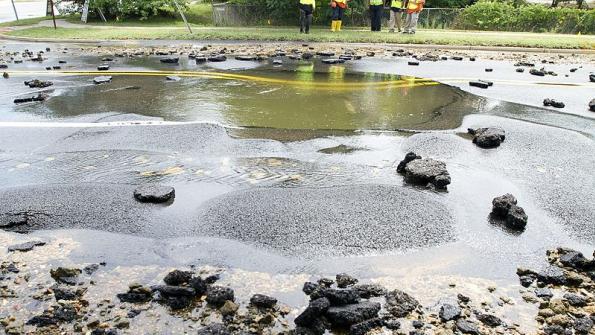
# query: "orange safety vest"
[[341, 3], [414, 6]]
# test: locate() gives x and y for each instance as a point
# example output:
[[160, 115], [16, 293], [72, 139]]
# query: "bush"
[[492, 15], [121, 9]]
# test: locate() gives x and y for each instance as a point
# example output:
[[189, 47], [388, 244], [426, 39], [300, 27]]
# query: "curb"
[[399, 45]]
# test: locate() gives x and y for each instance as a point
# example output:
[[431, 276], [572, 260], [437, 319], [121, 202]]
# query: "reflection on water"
[[301, 96]]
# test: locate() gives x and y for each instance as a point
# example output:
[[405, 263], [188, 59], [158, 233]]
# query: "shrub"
[[142, 9], [492, 15]]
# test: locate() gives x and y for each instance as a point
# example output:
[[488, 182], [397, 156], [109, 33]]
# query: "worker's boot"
[[333, 25], [339, 23]]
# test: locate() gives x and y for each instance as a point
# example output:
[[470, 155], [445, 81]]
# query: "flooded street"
[[286, 172]]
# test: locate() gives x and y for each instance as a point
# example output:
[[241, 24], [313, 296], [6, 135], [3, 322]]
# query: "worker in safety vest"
[[338, 7], [376, 7], [414, 7], [306, 10], [396, 10]]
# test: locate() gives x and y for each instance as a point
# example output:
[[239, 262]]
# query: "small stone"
[[310, 287], [246, 57], [217, 58], [417, 324], [537, 72], [214, 329], [553, 103], [263, 301], [173, 78], [487, 137], [151, 193], [366, 291], [102, 80], [177, 277], [575, 299], [36, 83], [449, 312], [490, 320], [24, 247], [463, 298], [217, 295], [479, 83], [229, 308], [400, 304], [344, 280], [544, 293], [467, 327], [427, 170], [65, 275], [343, 316], [170, 60], [91, 269], [332, 61], [583, 325]]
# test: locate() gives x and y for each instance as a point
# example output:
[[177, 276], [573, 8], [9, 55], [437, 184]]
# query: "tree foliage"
[[505, 15], [120, 9]]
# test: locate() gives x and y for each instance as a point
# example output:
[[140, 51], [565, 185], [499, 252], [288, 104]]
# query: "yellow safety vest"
[[340, 1], [396, 4], [308, 2], [376, 2]]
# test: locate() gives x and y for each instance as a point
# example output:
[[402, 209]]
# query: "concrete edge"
[[411, 46]]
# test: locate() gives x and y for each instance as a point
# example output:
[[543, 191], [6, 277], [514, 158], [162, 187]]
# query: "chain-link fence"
[[225, 14]]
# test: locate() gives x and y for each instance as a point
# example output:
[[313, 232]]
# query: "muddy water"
[[298, 95]]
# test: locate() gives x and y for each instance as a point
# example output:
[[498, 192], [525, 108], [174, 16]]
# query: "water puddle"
[[299, 95]]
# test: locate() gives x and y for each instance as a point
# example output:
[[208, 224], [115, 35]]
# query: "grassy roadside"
[[445, 37]]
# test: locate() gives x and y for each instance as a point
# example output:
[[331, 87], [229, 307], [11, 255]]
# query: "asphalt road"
[[256, 193]]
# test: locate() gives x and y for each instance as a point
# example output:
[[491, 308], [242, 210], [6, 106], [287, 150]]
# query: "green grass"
[[26, 22], [199, 14], [445, 37]]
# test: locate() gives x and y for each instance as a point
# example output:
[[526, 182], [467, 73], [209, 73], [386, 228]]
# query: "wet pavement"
[[262, 190]]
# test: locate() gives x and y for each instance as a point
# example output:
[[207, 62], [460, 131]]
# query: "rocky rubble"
[[36, 83], [153, 193], [505, 208], [564, 293], [569, 280], [553, 103], [424, 171], [37, 98], [487, 137]]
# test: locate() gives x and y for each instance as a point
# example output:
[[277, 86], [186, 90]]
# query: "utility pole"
[[51, 2], [15, 10]]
